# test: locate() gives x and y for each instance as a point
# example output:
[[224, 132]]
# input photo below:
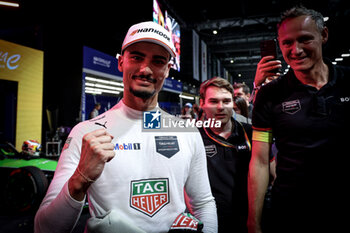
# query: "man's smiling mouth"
[[144, 78]]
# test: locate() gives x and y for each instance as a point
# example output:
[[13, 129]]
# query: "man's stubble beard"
[[142, 94]]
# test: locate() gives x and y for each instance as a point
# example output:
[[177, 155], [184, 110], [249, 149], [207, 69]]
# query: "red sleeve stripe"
[[262, 129]]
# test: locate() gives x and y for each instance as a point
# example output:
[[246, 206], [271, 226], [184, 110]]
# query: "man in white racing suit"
[[140, 175]]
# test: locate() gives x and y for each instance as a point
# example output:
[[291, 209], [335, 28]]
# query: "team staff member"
[[307, 112], [94, 113], [228, 155], [135, 175], [242, 90]]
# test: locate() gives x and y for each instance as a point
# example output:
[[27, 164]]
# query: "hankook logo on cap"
[[150, 30], [133, 33]]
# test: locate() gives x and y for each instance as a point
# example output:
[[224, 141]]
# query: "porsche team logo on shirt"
[[291, 107], [211, 150], [149, 196]]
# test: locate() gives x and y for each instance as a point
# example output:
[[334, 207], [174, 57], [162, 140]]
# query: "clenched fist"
[[96, 150]]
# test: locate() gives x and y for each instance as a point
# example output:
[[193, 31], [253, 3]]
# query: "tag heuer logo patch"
[[149, 196]]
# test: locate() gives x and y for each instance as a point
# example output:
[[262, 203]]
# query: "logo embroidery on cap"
[[133, 33], [150, 30]]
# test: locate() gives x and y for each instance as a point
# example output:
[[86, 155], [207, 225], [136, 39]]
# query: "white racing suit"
[[144, 182]]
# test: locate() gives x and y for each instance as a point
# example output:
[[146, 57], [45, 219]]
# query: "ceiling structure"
[[241, 25], [62, 28]]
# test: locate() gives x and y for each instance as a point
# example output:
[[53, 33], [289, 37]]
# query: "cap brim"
[[151, 40]]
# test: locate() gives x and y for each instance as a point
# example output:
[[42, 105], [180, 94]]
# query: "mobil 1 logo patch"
[[167, 145], [150, 195], [127, 146], [291, 107]]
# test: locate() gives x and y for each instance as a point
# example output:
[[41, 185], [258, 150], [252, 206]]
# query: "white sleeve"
[[198, 188], [59, 212]]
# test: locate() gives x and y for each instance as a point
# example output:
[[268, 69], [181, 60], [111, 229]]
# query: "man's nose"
[[220, 105], [297, 48], [145, 68]]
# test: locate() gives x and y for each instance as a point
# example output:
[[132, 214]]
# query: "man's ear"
[[324, 34], [120, 63], [167, 73], [201, 102]]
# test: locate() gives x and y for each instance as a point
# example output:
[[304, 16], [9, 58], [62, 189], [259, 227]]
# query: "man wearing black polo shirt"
[[228, 151], [307, 112]]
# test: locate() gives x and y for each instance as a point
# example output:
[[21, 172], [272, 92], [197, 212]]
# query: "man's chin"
[[142, 94], [222, 120]]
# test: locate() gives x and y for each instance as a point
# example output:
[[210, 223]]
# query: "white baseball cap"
[[149, 32]]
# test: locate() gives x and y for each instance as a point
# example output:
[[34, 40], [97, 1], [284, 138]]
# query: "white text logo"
[[344, 99]]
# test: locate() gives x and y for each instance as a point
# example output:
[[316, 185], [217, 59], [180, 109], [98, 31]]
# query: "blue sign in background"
[[98, 61], [173, 84]]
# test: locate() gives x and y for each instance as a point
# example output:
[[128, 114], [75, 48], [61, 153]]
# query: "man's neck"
[[317, 76], [140, 104], [225, 130]]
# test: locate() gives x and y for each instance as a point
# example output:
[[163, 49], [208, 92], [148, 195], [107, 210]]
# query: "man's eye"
[[159, 62], [136, 58], [305, 40], [286, 43]]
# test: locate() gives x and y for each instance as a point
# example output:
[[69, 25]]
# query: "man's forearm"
[[59, 215], [257, 185], [78, 186], [258, 178]]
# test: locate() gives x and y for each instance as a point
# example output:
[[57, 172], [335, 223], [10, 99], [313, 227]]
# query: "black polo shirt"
[[311, 129], [228, 161]]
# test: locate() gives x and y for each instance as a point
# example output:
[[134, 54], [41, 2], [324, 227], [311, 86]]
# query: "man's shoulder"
[[276, 84], [202, 133], [248, 129], [98, 122], [273, 89], [343, 74]]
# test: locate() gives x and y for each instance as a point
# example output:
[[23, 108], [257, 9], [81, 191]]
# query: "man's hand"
[[264, 72], [96, 151]]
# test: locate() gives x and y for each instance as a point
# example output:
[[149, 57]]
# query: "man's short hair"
[[244, 87], [215, 82], [301, 11]]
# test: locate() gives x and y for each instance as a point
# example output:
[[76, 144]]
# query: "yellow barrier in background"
[[25, 66]]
